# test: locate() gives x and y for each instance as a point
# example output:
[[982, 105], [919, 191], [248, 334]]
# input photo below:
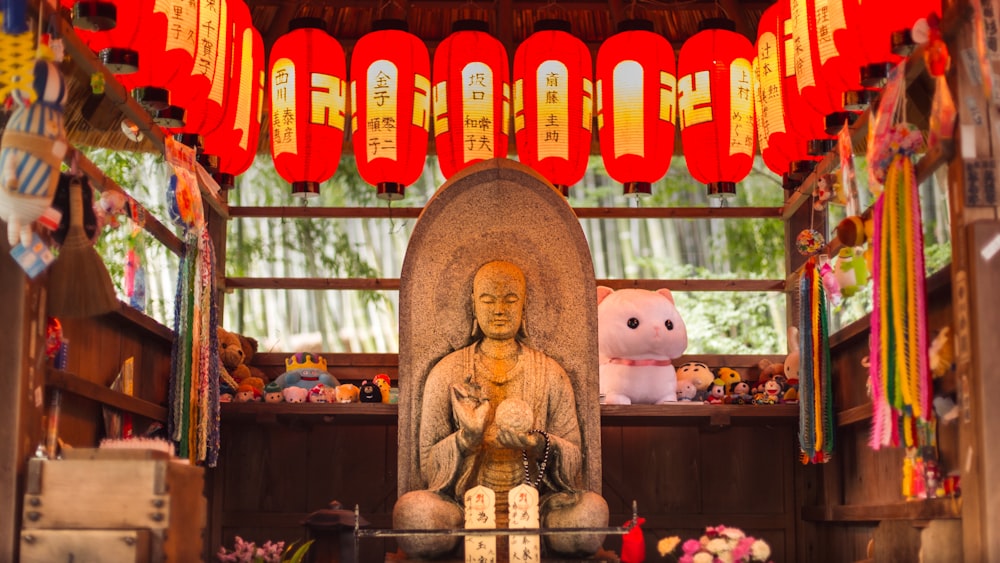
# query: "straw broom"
[[79, 284]]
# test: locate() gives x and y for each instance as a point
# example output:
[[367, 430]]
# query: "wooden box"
[[85, 546], [119, 490]]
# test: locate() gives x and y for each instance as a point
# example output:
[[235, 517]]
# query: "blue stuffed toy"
[[305, 370]]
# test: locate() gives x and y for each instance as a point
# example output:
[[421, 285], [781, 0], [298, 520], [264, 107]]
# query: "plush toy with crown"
[[305, 370]]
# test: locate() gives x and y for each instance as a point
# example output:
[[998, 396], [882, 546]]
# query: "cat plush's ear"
[[604, 291], [666, 293]]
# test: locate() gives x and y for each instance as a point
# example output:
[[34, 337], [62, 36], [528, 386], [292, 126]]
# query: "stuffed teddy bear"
[[233, 355], [640, 332], [305, 370]]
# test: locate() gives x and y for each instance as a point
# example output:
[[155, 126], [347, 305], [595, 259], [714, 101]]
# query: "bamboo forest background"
[[366, 321]]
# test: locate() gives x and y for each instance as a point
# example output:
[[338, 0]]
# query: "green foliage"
[[295, 553]]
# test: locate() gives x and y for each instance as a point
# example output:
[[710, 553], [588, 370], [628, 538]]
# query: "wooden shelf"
[[612, 415], [76, 385], [338, 413], [676, 414], [930, 509]]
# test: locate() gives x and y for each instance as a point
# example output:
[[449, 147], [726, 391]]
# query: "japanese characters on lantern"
[[236, 140], [716, 108], [308, 105], [166, 50], [553, 103], [202, 95], [471, 97], [636, 105], [823, 70], [390, 107], [781, 145]]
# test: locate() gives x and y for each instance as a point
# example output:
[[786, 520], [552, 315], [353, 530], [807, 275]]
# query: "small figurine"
[[370, 393], [294, 394], [272, 393], [716, 392], [739, 393], [384, 386], [316, 394], [771, 395], [686, 390], [247, 393]]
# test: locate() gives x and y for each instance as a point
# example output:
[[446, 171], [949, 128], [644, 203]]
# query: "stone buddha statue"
[[499, 413], [498, 360]]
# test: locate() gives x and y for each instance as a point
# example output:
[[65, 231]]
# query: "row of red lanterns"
[[805, 64], [471, 102], [724, 94], [196, 65]]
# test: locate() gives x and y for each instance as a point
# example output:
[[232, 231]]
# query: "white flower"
[[760, 551], [718, 545], [725, 557], [733, 533], [702, 557]]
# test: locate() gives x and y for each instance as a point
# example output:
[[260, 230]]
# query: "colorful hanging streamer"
[[815, 386], [194, 373], [899, 368]]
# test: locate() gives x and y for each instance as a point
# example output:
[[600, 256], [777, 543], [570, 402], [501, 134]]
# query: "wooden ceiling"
[[93, 122]]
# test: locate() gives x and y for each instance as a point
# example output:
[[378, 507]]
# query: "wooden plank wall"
[[845, 500], [276, 470], [97, 349]]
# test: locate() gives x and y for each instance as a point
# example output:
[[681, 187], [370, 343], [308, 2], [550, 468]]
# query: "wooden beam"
[[928, 509], [734, 11], [392, 284], [104, 183], [85, 59], [388, 212]]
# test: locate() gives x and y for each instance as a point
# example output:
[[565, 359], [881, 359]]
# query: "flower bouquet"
[[270, 552], [719, 544]]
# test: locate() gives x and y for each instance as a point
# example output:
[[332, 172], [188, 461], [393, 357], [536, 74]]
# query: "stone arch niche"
[[497, 209]]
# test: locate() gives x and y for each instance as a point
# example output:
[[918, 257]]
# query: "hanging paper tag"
[[480, 513], [33, 259], [523, 513]]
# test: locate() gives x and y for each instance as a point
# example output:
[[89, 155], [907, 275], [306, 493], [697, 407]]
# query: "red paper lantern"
[[308, 106], [883, 33], [236, 140], [202, 94], [110, 27], [716, 108], [636, 105], [390, 107], [777, 98], [823, 71], [553, 103], [166, 48], [471, 97]]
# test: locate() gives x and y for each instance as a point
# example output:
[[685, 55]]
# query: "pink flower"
[[742, 549], [690, 547]]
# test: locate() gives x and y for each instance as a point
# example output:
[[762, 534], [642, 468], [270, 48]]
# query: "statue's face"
[[498, 299]]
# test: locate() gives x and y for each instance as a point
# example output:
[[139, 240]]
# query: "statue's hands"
[[471, 413], [521, 440]]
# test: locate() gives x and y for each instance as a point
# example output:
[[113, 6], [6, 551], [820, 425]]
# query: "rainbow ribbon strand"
[[815, 386], [899, 369]]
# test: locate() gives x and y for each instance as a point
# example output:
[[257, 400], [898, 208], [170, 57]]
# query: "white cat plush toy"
[[640, 333]]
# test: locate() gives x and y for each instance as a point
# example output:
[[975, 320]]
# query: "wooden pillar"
[[22, 391], [975, 274]]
